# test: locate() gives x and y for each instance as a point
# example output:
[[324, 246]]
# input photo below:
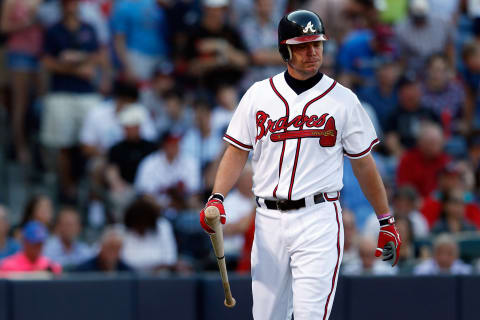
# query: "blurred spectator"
[[8, 246], [140, 37], [215, 51], [71, 56], [362, 52], [64, 247], [201, 142], [24, 43], [405, 121], [94, 13], [445, 259], [450, 179], [420, 166], [227, 101], [172, 178], [149, 244], [240, 206], [405, 205], [382, 94], [30, 259], [108, 259], [367, 264], [422, 34], [406, 260], [350, 245], [102, 129], [443, 95], [172, 114], [452, 217], [259, 33], [125, 157], [38, 208], [333, 16], [471, 81]]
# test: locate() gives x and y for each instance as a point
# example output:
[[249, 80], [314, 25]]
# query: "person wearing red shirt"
[[420, 166]]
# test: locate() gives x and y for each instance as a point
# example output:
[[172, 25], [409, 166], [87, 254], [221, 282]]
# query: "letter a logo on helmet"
[[298, 27], [309, 27]]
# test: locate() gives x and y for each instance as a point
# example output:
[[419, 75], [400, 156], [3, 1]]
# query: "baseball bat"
[[212, 217]]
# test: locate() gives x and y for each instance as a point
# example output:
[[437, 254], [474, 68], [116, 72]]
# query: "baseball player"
[[299, 125]]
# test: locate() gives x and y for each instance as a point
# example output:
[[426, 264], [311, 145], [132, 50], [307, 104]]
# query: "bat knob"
[[232, 303]]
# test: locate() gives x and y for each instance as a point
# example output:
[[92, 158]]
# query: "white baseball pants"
[[296, 257]]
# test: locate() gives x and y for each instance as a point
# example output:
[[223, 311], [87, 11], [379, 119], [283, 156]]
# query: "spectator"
[[446, 98], [405, 205], [30, 259], [201, 141], [38, 208], [8, 246], [362, 52], [140, 37], [108, 259], [102, 129], [382, 94], [350, 248], [64, 247], [215, 51], [450, 179], [124, 158], [240, 207], [406, 260], [259, 32], [420, 166], [71, 56], [172, 178], [452, 217], [404, 122], [149, 243], [24, 44], [445, 259], [471, 81], [227, 101], [173, 115], [367, 264], [421, 34]]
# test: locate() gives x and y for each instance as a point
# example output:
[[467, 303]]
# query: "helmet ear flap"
[[285, 52]]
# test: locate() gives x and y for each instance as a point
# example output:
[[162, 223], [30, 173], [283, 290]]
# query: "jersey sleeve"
[[241, 130], [359, 136]]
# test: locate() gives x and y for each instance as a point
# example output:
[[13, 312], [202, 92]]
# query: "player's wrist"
[[386, 219], [216, 196]]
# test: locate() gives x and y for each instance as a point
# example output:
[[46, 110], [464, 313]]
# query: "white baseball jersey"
[[298, 141]]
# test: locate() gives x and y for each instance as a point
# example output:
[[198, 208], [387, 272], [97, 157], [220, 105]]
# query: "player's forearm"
[[229, 170], [371, 183]]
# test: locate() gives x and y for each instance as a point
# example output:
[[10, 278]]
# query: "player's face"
[[306, 59]]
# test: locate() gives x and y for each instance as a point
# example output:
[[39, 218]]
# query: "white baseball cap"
[[419, 7], [134, 114], [215, 3]]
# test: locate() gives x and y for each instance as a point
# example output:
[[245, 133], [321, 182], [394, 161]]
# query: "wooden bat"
[[212, 218]]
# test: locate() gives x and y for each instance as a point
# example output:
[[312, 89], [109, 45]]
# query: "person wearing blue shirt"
[[140, 36], [71, 56]]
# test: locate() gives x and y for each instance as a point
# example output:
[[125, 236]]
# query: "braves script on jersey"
[[298, 141]]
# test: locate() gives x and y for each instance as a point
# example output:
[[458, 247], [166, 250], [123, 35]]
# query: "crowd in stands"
[[124, 103]]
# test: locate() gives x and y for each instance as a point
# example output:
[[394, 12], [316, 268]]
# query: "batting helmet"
[[298, 27]]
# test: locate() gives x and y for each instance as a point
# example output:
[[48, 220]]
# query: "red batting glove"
[[389, 241], [215, 202]]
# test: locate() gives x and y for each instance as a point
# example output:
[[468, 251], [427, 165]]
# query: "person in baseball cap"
[[30, 259]]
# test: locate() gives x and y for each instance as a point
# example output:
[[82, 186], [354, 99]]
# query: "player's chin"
[[312, 66]]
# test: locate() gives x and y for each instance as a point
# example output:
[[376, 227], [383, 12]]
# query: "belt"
[[286, 205]]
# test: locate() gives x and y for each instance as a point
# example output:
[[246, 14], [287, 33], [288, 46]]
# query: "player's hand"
[[217, 202], [389, 241]]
